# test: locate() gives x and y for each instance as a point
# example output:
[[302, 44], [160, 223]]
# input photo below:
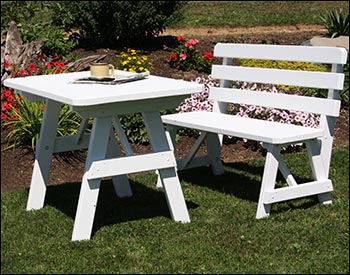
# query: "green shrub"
[[187, 57], [116, 23], [336, 23], [134, 128], [286, 65], [34, 21]]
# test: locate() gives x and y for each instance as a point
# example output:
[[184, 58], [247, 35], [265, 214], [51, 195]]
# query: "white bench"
[[318, 141]]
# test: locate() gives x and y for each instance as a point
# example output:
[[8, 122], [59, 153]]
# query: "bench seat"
[[215, 124], [248, 128]]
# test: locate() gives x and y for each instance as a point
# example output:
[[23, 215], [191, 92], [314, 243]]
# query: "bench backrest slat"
[[272, 100], [315, 54], [323, 80], [227, 73]]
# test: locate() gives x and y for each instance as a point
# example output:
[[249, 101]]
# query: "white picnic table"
[[104, 103]]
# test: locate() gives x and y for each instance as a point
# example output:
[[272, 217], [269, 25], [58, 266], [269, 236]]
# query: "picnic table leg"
[[121, 183], [90, 188], [171, 141], [169, 178], [43, 155]]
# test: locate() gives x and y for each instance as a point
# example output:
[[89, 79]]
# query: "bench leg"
[[268, 179], [213, 145], [319, 167]]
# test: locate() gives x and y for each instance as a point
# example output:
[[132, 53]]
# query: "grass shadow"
[[243, 180], [144, 204]]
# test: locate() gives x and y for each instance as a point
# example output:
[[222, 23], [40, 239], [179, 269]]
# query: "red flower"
[[7, 64], [173, 56], [180, 38], [55, 58], [6, 107], [32, 67], [61, 65], [47, 65], [58, 65], [40, 57], [23, 72], [7, 93], [10, 98], [208, 55], [3, 116]]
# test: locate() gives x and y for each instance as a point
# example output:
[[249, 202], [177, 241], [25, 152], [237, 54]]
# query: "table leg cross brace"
[[131, 164]]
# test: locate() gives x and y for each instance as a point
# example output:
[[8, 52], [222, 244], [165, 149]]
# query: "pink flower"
[[190, 43], [183, 56]]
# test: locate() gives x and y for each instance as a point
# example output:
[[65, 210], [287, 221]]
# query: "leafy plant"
[[34, 20], [344, 94], [116, 23], [25, 123], [186, 57], [23, 119], [132, 61], [336, 22], [134, 128]]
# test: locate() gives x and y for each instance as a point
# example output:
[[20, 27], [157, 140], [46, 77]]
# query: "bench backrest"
[[333, 80]]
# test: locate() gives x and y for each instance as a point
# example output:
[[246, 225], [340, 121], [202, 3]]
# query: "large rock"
[[341, 41]]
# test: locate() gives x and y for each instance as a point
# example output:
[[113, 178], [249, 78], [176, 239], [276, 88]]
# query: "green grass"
[[137, 235], [255, 13]]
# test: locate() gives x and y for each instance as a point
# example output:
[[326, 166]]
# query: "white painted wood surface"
[[96, 94], [273, 134], [104, 103]]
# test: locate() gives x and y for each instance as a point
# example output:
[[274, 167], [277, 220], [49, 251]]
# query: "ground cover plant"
[[256, 13], [136, 235]]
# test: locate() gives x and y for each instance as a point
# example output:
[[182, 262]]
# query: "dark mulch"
[[16, 165]]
